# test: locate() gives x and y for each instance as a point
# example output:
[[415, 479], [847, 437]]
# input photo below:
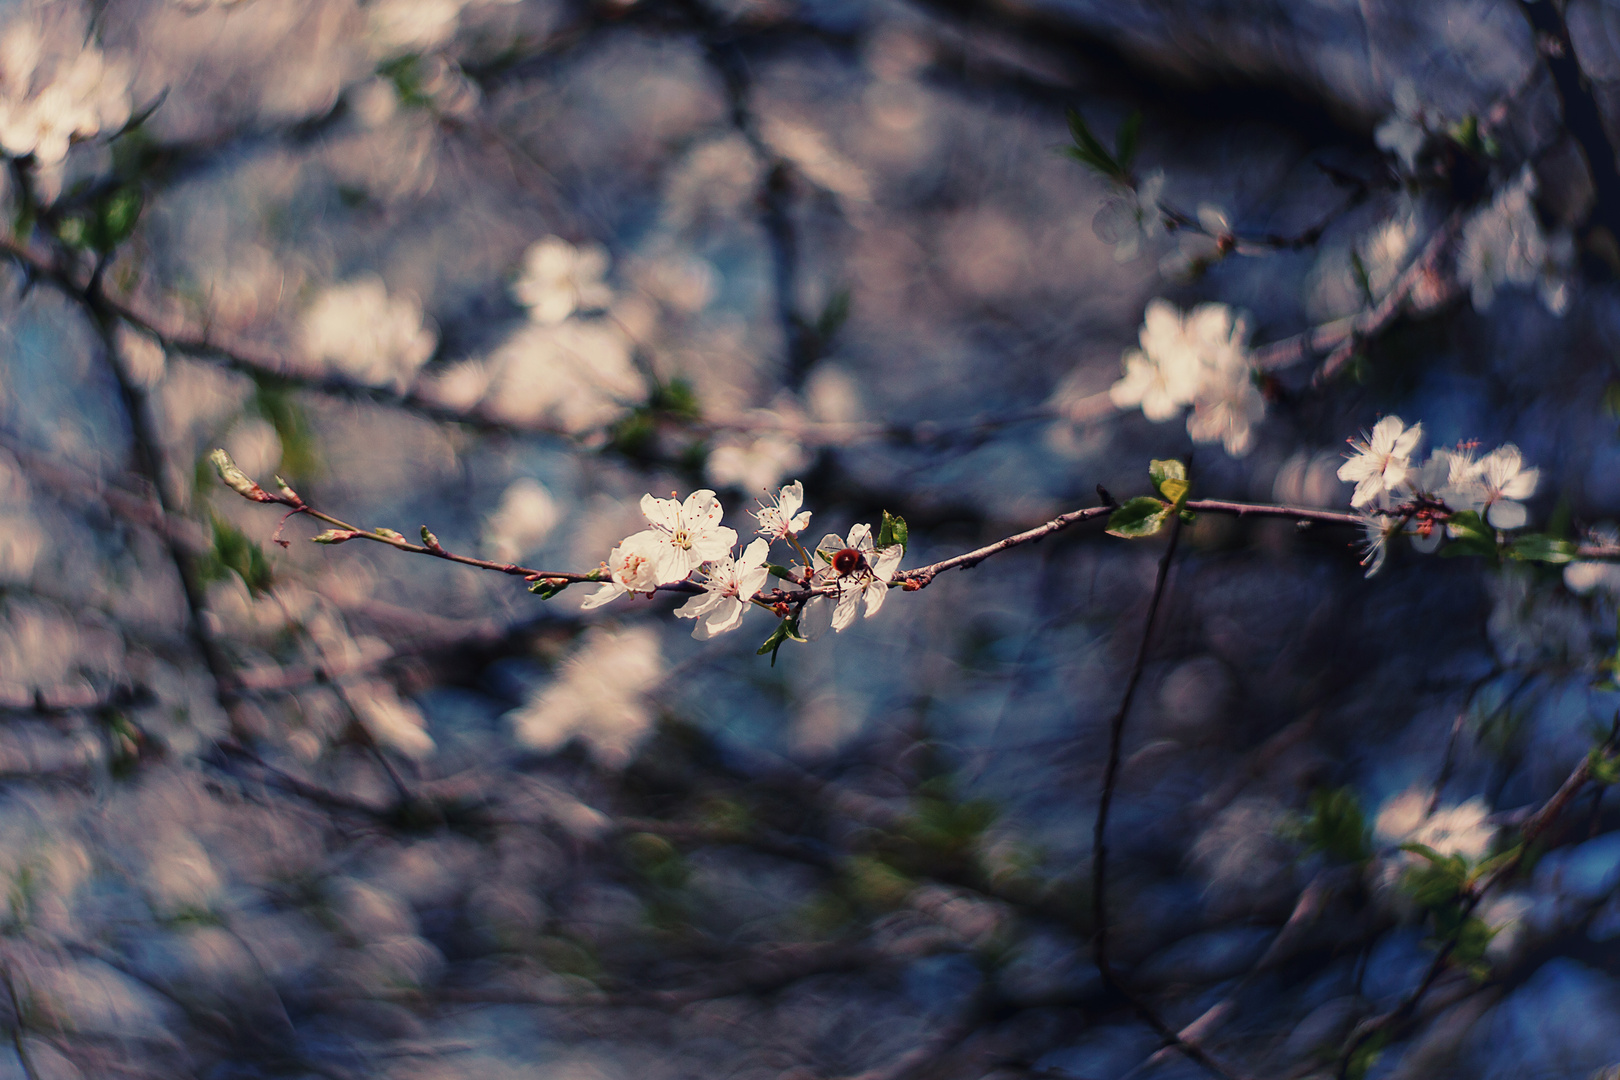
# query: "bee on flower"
[[858, 570]]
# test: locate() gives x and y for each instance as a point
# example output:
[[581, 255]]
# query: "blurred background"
[[500, 267]]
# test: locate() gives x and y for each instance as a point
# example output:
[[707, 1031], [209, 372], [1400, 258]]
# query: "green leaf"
[[833, 316], [1539, 547], [1469, 535], [1142, 516], [1125, 141], [1169, 477], [781, 572], [546, 588], [1604, 769], [1336, 824], [894, 531], [235, 553], [1088, 151], [786, 630]]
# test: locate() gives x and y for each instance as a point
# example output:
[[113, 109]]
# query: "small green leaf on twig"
[[893, 531], [547, 587], [786, 630], [1539, 547], [1170, 479], [1142, 516], [782, 572]]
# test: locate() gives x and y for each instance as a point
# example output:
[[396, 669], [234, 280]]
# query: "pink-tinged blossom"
[[783, 518], [1381, 463], [726, 594], [632, 567], [867, 579]]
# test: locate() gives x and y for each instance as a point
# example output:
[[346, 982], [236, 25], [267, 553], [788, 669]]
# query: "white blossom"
[[632, 567], [1584, 575], [731, 582], [783, 518], [1376, 532], [1407, 129], [373, 338], [1457, 830], [48, 101], [1131, 216], [868, 579], [1380, 463], [1493, 486], [598, 696], [1503, 244], [690, 533], [559, 279]]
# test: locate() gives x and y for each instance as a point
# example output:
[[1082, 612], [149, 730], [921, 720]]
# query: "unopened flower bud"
[[335, 536], [237, 480]]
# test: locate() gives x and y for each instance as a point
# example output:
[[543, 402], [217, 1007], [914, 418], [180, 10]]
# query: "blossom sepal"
[[1468, 534]]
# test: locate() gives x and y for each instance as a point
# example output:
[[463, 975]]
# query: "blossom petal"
[[608, 592], [1507, 514]]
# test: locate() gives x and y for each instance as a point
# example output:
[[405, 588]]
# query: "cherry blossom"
[[1131, 216], [857, 571], [631, 566], [689, 533], [1377, 530], [1502, 481], [726, 593], [783, 518], [1198, 358], [1163, 375], [559, 279], [1380, 464]]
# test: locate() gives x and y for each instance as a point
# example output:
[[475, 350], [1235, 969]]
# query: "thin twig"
[[1099, 835]]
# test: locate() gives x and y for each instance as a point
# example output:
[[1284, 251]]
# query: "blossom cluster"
[[1196, 358], [687, 538], [1397, 493], [48, 101]]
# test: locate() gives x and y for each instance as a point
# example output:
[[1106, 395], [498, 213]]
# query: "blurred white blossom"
[[726, 592], [559, 279], [1456, 830], [1503, 244], [576, 374], [525, 517], [1200, 359], [373, 338], [598, 697], [1407, 129], [756, 463], [49, 97], [390, 719], [1131, 217]]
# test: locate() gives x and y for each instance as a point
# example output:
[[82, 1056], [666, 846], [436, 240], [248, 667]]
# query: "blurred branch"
[[1533, 827], [1582, 116]]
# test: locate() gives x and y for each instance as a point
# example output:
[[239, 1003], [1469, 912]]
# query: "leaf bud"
[[237, 480]]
